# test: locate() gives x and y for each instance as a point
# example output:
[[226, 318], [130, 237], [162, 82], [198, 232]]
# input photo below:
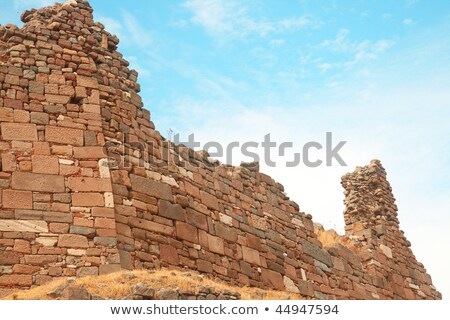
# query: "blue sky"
[[375, 73]]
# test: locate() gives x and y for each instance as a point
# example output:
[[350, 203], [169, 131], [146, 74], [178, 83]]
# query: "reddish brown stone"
[[40, 260], [63, 135], [197, 219], [251, 255], [168, 254], [152, 188], [25, 269], [204, 266], [209, 200], [121, 177], [88, 200], [16, 280], [272, 279], [45, 164], [85, 184], [72, 241], [89, 152], [19, 131], [215, 244], [8, 258], [171, 211], [17, 199], [37, 182], [105, 223], [103, 212], [192, 190], [186, 232], [150, 226], [55, 227]]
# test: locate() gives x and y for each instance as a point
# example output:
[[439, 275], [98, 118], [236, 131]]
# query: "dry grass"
[[120, 284]]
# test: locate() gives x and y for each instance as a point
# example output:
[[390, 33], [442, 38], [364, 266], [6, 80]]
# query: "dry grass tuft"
[[120, 284]]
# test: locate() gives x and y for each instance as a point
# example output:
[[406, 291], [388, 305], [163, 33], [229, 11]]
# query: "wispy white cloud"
[[408, 22], [357, 51], [231, 19], [128, 27], [140, 35]]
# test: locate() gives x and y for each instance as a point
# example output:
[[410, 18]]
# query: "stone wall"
[[88, 186]]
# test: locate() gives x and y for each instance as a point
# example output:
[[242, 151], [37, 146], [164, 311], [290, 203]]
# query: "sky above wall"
[[374, 73]]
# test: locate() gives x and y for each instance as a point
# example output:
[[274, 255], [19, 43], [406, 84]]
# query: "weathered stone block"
[[85, 184], [215, 244], [17, 199], [23, 280], [9, 258], [152, 188], [45, 164], [87, 200], [23, 226], [272, 279], [150, 226], [226, 232], [89, 152], [72, 241], [197, 219], [251, 255], [209, 200], [63, 135], [19, 131], [87, 82], [37, 182], [171, 211], [186, 232], [169, 254]]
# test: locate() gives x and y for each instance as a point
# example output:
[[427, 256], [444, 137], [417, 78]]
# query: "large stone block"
[[9, 280], [171, 211], [64, 135], [197, 219], [251, 255], [23, 226], [272, 279], [89, 199], [150, 226], [209, 200], [186, 232], [8, 258], [37, 182], [152, 188], [215, 244], [85, 184], [45, 164], [19, 131], [88, 82], [316, 252], [226, 232], [17, 199], [72, 241], [169, 254]]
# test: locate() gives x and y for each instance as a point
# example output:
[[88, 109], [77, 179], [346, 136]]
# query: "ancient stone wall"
[[88, 186]]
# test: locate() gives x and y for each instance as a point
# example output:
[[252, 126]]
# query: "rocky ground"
[[144, 285]]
